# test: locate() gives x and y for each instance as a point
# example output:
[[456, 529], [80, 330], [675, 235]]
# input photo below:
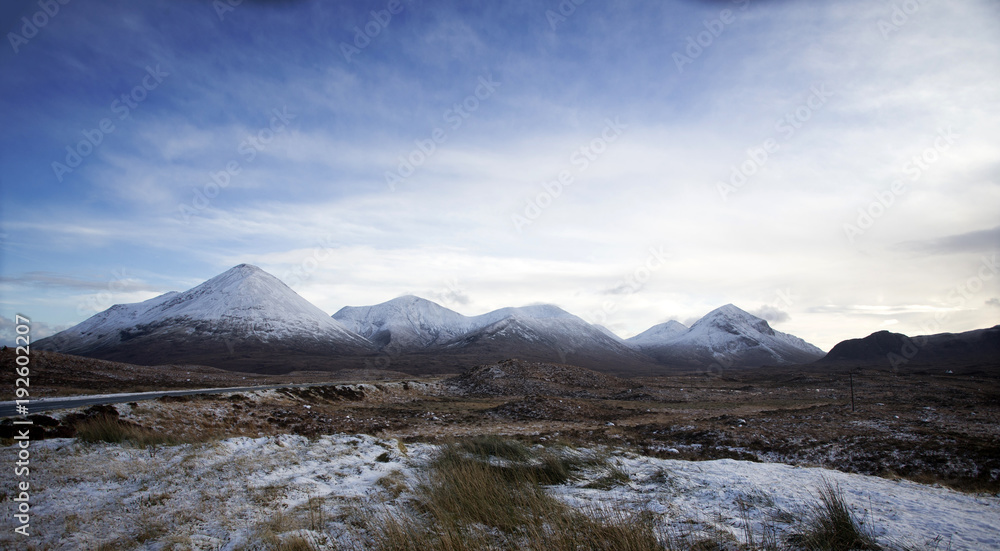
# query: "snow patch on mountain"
[[405, 322], [658, 334], [540, 331], [731, 337], [410, 322], [243, 302]]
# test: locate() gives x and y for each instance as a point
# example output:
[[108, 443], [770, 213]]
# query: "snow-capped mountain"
[[547, 333], [542, 332], [239, 312], [246, 319], [405, 323], [729, 337], [658, 334]]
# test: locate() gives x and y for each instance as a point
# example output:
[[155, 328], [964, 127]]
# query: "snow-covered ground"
[[710, 493], [232, 493]]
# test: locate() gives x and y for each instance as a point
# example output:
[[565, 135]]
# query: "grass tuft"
[[614, 477], [104, 428], [487, 446], [832, 525], [487, 493]]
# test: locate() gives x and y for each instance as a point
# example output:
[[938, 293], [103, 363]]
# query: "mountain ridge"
[[730, 337], [541, 331], [245, 318], [894, 350]]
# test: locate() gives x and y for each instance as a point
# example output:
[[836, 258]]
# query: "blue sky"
[[833, 168]]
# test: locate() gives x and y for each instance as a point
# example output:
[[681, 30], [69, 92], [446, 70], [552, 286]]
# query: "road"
[[7, 409]]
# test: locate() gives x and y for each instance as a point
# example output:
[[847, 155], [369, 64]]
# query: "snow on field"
[[712, 493], [232, 493]]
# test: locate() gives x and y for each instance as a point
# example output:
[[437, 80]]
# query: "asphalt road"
[[7, 409]]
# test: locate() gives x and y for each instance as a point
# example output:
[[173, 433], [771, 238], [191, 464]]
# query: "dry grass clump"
[[832, 525], [105, 428], [488, 492]]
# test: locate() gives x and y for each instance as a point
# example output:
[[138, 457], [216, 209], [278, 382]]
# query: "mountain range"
[[412, 325], [246, 319]]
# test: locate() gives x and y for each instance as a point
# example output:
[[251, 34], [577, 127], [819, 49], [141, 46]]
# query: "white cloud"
[[38, 330], [447, 232]]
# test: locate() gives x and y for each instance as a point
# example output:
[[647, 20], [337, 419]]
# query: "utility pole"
[[851, 374]]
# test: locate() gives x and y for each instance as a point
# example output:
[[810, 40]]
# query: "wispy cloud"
[[321, 182], [50, 280], [39, 330], [981, 241], [771, 314]]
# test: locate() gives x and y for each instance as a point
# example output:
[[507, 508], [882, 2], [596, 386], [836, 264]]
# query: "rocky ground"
[[54, 374], [928, 428]]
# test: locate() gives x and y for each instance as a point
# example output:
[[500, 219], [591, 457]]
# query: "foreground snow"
[[712, 492], [230, 494]]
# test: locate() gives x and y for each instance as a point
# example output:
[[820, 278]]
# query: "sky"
[[831, 167]]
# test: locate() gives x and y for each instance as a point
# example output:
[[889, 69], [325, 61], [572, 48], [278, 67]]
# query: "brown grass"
[[833, 526], [104, 428], [489, 493]]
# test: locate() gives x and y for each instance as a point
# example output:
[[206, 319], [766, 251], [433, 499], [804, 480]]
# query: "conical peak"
[[539, 311], [245, 270], [729, 310], [732, 318], [240, 273]]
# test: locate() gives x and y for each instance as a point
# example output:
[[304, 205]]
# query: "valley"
[[710, 462], [930, 428]]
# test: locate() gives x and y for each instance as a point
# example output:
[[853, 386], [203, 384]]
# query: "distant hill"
[[980, 347]]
